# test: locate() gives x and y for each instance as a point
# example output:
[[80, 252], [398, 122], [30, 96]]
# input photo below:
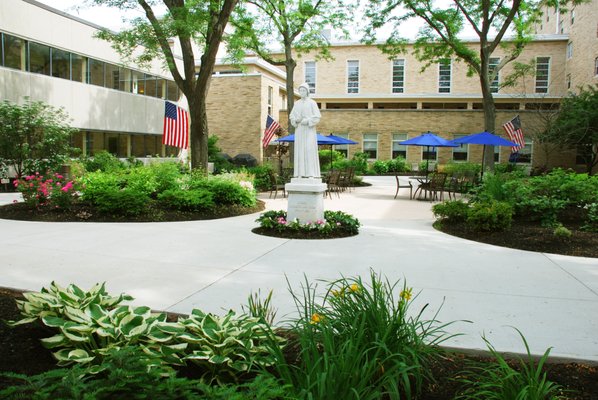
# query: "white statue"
[[304, 117]]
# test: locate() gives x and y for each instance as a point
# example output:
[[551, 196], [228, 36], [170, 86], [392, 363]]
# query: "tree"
[[297, 26], [34, 137], [439, 38], [197, 24], [576, 125]]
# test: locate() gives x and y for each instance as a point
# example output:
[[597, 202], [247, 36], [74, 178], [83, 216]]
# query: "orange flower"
[[406, 294], [316, 318]]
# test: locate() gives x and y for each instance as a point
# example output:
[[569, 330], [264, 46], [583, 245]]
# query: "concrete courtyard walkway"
[[214, 265]]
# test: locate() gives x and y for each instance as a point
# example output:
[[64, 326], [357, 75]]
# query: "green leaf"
[[54, 341], [53, 322], [80, 356], [95, 311]]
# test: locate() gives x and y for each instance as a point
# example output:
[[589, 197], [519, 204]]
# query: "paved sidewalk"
[[214, 265]]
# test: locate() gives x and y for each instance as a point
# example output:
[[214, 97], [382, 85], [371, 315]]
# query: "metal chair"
[[275, 186]]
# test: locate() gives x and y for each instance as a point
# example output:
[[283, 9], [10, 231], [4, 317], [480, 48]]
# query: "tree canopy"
[[34, 137], [440, 38], [295, 26], [576, 125], [199, 27]]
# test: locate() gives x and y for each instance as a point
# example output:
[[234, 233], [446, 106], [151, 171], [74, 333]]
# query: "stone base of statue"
[[306, 199]]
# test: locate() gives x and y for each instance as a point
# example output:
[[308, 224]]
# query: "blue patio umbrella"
[[484, 138], [428, 139]]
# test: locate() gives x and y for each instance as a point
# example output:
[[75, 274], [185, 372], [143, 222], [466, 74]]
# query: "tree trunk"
[[198, 132], [489, 111], [290, 65]]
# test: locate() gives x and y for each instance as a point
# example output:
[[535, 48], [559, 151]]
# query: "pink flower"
[[28, 178], [59, 176], [15, 201]]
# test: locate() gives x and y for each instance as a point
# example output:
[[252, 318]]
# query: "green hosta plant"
[[227, 346], [334, 221], [57, 301]]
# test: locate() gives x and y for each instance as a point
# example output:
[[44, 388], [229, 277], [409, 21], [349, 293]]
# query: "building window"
[[270, 97], [342, 148], [138, 82], [398, 76], [14, 52], [493, 63], [172, 91], [112, 76], [370, 145], [460, 153], [399, 150], [496, 154], [310, 75], [542, 74], [596, 66], [95, 72], [151, 86], [61, 64], [39, 58], [572, 17], [352, 76], [524, 154], [429, 153], [444, 76], [569, 50], [78, 68]]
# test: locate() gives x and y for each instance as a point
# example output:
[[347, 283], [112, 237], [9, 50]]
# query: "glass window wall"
[[39, 58], [61, 64]]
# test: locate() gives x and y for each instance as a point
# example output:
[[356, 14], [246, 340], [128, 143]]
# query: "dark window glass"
[[429, 155], [111, 76], [14, 52], [124, 75], [161, 88], [39, 58], [96, 72], [78, 68], [61, 64], [172, 91], [150, 86]]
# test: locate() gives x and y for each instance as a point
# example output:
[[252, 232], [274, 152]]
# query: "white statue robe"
[[306, 161]]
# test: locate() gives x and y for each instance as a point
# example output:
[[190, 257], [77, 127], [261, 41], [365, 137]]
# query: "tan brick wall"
[[234, 109], [375, 71], [385, 123]]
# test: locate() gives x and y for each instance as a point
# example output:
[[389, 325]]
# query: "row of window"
[[444, 75], [25, 55], [122, 145], [370, 147]]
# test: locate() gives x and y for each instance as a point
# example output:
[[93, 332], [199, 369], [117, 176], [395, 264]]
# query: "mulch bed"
[[22, 352], [529, 235], [85, 213], [290, 234]]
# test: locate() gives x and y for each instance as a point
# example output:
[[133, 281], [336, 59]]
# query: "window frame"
[[461, 149], [495, 84], [395, 140], [394, 84], [569, 50], [443, 87], [528, 153], [352, 89], [369, 140], [312, 85], [546, 81]]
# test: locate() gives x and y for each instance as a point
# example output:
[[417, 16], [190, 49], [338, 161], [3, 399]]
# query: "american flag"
[[271, 128], [513, 128], [176, 126]]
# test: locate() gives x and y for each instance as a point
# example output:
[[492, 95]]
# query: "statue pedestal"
[[306, 199]]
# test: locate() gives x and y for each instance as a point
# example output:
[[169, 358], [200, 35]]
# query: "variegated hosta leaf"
[[54, 341]]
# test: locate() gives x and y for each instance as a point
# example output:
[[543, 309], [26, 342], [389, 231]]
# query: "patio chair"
[[434, 186], [275, 186], [333, 183]]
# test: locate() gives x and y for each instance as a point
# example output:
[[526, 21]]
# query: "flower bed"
[[335, 224]]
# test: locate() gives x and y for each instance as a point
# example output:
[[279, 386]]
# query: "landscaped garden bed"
[[326, 352]]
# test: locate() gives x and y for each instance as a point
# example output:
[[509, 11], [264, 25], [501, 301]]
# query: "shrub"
[[329, 157], [380, 167], [96, 183], [561, 232], [591, 223], [490, 216], [167, 175], [261, 180], [187, 200], [399, 164], [228, 189], [103, 161], [52, 190], [126, 202], [453, 211], [462, 169], [141, 180], [359, 341]]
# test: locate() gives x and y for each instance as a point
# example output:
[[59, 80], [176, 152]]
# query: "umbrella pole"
[[483, 156], [331, 157], [427, 159]]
